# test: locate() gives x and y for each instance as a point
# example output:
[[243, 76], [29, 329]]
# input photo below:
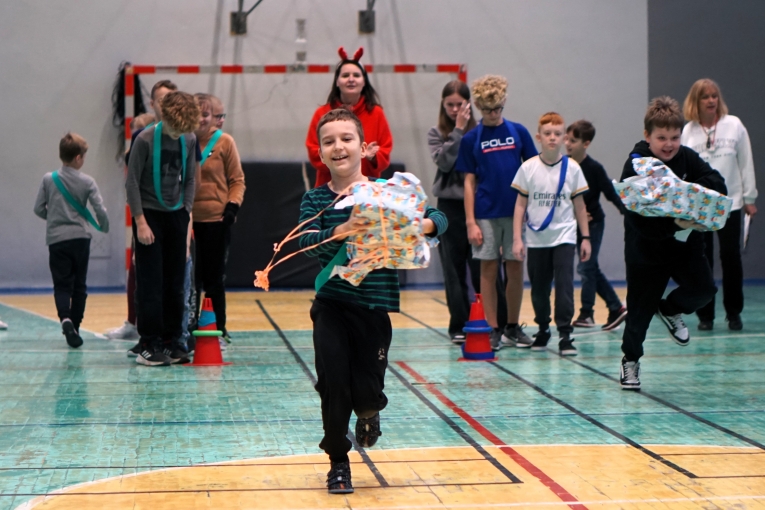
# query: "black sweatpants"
[[646, 285], [212, 240], [729, 238], [160, 268], [68, 261], [351, 347], [456, 255], [546, 265]]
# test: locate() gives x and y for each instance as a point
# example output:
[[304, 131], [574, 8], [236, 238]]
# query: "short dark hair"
[[582, 130], [663, 112], [71, 146], [339, 114], [167, 84]]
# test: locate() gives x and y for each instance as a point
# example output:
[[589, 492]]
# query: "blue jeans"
[[185, 335], [593, 279]]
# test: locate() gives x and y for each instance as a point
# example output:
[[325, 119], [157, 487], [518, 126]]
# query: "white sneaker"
[[125, 332], [3, 326]]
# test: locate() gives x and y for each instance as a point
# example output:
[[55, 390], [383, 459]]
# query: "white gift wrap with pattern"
[[657, 192], [395, 209]]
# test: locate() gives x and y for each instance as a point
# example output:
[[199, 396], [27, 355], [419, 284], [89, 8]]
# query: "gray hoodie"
[[448, 184], [64, 222]]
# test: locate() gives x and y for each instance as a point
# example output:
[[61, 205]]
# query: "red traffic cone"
[[477, 346], [207, 350]]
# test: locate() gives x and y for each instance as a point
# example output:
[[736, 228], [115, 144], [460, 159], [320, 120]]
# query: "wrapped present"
[[656, 191], [395, 209]]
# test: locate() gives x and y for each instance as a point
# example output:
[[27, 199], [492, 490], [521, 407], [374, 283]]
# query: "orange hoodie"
[[221, 182], [375, 130]]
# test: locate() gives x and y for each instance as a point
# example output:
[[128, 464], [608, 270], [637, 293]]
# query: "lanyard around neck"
[[209, 147], [157, 167]]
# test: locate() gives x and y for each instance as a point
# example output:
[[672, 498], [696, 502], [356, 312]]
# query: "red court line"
[[519, 459]]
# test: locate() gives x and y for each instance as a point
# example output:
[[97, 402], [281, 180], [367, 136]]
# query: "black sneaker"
[[495, 338], [629, 375], [176, 353], [540, 340], [70, 332], [734, 323], [615, 318], [368, 430], [134, 351], [339, 478], [585, 320], [676, 327], [707, 325], [566, 346], [458, 338], [514, 335], [152, 358]]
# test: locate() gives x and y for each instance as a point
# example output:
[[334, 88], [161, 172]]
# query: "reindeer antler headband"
[[356, 56]]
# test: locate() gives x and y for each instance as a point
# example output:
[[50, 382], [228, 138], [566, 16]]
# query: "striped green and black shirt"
[[380, 288]]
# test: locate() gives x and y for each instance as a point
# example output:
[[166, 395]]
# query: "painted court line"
[[370, 464], [674, 407], [595, 422], [464, 435], [418, 321], [519, 459]]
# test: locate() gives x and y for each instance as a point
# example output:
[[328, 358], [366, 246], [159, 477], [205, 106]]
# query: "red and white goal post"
[[460, 70]]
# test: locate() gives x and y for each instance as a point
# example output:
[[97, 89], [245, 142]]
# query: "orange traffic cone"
[[207, 350], [477, 346]]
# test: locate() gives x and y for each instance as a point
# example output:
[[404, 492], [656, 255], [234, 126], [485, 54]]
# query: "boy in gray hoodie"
[[62, 201]]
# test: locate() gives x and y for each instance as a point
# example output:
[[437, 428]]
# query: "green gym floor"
[[89, 428]]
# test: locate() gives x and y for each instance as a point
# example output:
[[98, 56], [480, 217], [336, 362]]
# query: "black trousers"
[[351, 346], [68, 261], [160, 270], [729, 238], [646, 285], [546, 265], [212, 240], [456, 255]]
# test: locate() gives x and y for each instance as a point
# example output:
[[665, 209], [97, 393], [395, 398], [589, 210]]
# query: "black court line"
[[225, 464], [418, 321], [456, 428], [595, 422], [439, 301], [264, 489], [365, 457], [672, 406]]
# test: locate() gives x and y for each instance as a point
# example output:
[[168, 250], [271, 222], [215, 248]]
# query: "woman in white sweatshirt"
[[722, 141]]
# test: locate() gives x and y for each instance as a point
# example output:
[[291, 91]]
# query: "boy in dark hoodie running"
[[654, 247]]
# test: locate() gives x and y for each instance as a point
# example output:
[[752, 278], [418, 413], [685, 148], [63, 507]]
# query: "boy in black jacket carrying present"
[[654, 253]]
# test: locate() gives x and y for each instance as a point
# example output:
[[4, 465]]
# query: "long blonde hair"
[[691, 103]]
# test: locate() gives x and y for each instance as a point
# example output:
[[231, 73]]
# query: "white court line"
[[97, 335]]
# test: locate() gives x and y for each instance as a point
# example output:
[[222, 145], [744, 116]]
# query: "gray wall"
[[584, 59], [692, 39]]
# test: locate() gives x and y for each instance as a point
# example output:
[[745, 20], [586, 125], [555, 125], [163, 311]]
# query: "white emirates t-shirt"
[[538, 182]]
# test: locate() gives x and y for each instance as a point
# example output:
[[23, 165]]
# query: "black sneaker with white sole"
[[457, 338], [540, 340], [73, 338], [339, 478], [615, 318], [135, 350], [152, 357], [585, 320], [566, 346], [176, 353], [629, 375], [495, 339], [368, 430], [676, 327]]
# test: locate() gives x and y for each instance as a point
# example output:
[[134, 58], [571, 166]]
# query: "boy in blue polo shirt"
[[490, 156]]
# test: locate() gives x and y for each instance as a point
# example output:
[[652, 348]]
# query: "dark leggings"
[[212, 240], [729, 238], [69, 268]]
